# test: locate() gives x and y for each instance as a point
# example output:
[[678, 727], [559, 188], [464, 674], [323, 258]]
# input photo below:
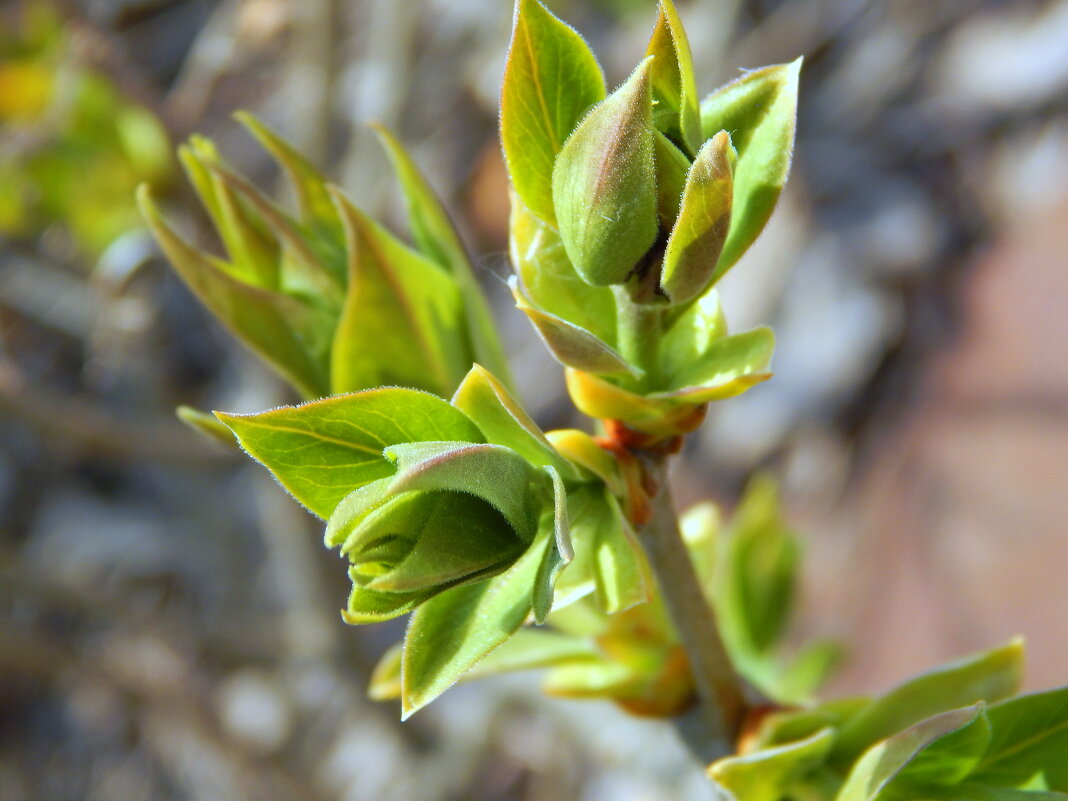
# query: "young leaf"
[[452, 632], [606, 550], [206, 424], [549, 279], [254, 256], [317, 211], [692, 333], [558, 551], [503, 420], [322, 451], [672, 166], [437, 238], [988, 676], [724, 362], [571, 345], [1030, 736], [701, 229], [604, 185], [402, 319], [550, 79], [767, 775], [672, 78], [282, 330], [759, 111], [581, 449], [874, 774], [497, 475], [416, 542]]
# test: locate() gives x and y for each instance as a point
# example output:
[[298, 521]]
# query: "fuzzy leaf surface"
[[701, 229], [604, 185], [759, 111], [1030, 736], [673, 83], [323, 450], [453, 631], [550, 79]]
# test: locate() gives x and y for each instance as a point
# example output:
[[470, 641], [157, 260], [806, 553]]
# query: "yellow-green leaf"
[[323, 450], [759, 111], [673, 82], [402, 321], [550, 79], [701, 228]]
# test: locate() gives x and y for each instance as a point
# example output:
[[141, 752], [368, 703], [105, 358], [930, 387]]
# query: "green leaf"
[[527, 649], [254, 254], [497, 475], [402, 319], [890, 762], [282, 330], [206, 424], [969, 791], [604, 185], [672, 166], [571, 345], [799, 679], [673, 83], [579, 448], [452, 632], [727, 362], [559, 551], [988, 676], [549, 279], [322, 451], [550, 79], [437, 238], [797, 724], [502, 420], [305, 270], [1030, 736], [767, 775], [691, 334], [421, 541], [606, 552], [759, 569], [698, 236], [759, 111], [317, 210]]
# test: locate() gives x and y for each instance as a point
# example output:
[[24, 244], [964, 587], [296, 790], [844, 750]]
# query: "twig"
[[711, 731]]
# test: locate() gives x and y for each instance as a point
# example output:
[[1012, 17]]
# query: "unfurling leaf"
[[437, 239], [604, 185], [701, 228], [323, 450], [571, 345], [988, 676], [401, 323], [550, 80], [673, 82], [759, 110]]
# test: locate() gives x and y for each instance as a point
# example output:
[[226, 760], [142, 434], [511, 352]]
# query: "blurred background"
[[168, 619]]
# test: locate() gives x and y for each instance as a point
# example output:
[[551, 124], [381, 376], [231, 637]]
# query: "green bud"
[[704, 218], [604, 184]]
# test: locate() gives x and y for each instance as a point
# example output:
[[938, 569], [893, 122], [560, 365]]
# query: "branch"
[[711, 731]]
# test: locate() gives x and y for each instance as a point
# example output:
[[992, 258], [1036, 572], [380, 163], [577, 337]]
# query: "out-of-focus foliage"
[[72, 146]]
